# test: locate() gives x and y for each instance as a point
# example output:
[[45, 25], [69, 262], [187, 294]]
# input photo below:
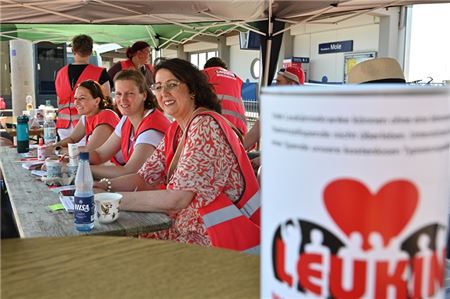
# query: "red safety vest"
[[231, 225], [153, 121], [128, 64], [105, 116], [228, 87], [67, 112]]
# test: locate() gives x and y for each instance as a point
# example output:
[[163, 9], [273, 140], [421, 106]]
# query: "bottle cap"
[[22, 119], [84, 156]]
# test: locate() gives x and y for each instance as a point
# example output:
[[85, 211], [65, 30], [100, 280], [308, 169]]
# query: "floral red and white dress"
[[207, 166]]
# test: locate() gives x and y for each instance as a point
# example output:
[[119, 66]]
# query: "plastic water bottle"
[[49, 130], [49, 110], [84, 196], [23, 143]]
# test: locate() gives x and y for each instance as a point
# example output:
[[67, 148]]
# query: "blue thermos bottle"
[[23, 143]]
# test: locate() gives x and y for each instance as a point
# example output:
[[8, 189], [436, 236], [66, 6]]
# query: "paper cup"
[[361, 208], [53, 168], [73, 152], [107, 206]]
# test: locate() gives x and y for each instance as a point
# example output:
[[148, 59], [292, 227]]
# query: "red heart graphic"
[[355, 209]]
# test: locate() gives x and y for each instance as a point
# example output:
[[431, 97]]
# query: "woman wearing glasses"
[[140, 130], [98, 119], [210, 189]]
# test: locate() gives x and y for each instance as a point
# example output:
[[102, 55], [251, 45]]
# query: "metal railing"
[[251, 112]]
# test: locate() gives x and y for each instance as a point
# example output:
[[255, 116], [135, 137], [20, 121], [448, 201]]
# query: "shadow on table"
[[8, 229]]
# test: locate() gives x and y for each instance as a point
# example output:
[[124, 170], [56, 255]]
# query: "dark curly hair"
[[139, 79], [96, 90], [197, 82], [82, 44]]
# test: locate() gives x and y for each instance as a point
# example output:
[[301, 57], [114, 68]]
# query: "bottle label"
[[84, 209], [41, 152], [50, 134]]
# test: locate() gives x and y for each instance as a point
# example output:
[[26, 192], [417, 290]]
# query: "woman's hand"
[[100, 185]]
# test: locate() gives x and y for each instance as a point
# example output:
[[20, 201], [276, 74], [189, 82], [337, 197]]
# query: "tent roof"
[[171, 21]]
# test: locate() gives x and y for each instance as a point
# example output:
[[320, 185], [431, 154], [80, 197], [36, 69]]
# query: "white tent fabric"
[[186, 15], [183, 12]]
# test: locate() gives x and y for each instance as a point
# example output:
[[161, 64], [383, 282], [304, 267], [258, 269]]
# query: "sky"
[[430, 43]]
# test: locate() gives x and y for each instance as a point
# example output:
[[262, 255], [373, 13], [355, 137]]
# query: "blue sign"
[[336, 47], [300, 59]]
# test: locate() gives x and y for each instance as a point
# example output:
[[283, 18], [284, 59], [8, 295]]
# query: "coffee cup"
[[74, 154], [107, 206], [53, 168]]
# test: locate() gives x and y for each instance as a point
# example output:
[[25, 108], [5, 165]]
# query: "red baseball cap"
[[293, 73]]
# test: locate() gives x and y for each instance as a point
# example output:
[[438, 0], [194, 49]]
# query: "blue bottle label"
[[84, 209]]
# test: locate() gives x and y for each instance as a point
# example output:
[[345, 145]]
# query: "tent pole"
[[268, 47]]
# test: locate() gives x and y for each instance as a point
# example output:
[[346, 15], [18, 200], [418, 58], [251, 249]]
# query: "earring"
[[193, 97]]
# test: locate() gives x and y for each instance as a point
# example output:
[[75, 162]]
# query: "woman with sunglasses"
[[138, 133], [98, 119], [210, 190]]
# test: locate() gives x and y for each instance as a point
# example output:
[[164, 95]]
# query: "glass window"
[[199, 58], [212, 54], [194, 59]]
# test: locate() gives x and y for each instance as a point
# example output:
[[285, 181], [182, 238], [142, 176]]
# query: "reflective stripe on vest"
[[229, 98], [235, 114], [252, 205], [253, 251], [63, 106], [68, 116], [221, 215], [230, 212]]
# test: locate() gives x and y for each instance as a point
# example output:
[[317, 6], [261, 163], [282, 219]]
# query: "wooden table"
[[120, 267], [30, 199], [4, 120]]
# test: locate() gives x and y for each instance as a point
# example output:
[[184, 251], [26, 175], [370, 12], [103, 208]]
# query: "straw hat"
[[378, 70]]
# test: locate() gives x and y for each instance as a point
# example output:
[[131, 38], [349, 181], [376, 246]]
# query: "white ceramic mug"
[[107, 206]]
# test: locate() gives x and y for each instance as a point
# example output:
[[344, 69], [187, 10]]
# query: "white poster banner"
[[355, 191]]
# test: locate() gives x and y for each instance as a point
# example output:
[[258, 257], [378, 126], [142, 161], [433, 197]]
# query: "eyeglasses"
[[169, 86]]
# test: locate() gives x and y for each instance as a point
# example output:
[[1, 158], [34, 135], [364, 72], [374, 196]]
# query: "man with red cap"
[[290, 76]]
